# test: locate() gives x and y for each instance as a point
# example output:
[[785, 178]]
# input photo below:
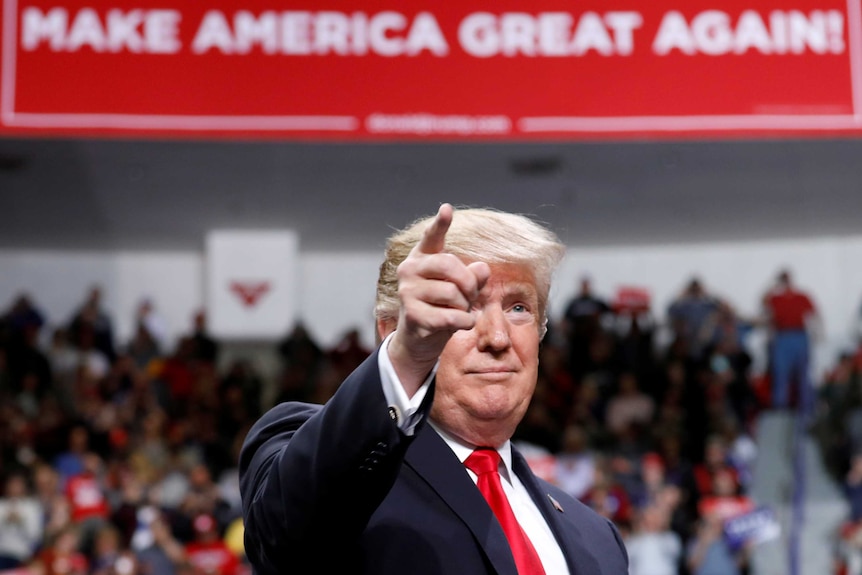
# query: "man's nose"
[[492, 329]]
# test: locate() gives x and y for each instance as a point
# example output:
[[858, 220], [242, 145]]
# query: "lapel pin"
[[555, 503]]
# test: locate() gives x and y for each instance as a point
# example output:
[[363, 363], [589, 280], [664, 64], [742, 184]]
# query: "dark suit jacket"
[[339, 489]]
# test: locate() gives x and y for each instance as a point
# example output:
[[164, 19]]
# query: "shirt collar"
[[462, 450]]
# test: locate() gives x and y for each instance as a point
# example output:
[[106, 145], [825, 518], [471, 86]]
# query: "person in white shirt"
[[653, 548], [20, 523]]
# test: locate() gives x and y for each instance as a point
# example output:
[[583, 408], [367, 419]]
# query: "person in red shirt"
[[62, 557], [85, 492], [789, 312], [208, 553]]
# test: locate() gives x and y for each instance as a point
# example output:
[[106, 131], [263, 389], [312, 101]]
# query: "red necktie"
[[484, 463]]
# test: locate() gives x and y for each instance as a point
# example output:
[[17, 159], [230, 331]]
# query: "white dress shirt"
[[526, 512]]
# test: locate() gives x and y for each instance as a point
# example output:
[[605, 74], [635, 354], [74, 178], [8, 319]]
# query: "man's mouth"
[[491, 371]]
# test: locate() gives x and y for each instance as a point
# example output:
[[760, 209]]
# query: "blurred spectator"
[[538, 428], [838, 418], [635, 347], [204, 347], [240, 394], [51, 499], [178, 373], [20, 522], [92, 362], [742, 451], [86, 494], [729, 362], [22, 316], [228, 480], [652, 547], [582, 321], [576, 465], [208, 553], [652, 481], [28, 367], [143, 348], [583, 313], [715, 463], [71, 461], [152, 322], [630, 407], [149, 458], [725, 500], [61, 556], [588, 410], [556, 386], [670, 397], [91, 327], [693, 317], [790, 314], [107, 552], [348, 353], [608, 498], [171, 484], [298, 349], [162, 553], [634, 327], [708, 553], [849, 549], [677, 469], [204, 497], [29, 397], [128, 510], [302, 365], [601, 367], [64, 360]]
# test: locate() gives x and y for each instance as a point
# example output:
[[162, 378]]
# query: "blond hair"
[[476, 234]]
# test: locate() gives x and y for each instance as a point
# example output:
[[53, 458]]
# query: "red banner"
[[371, 70]]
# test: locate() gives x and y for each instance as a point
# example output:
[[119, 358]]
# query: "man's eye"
[[519, 308]]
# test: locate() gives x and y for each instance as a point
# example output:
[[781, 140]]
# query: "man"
[[694, 318], [582, 320], [383, 478], [790, 313], [91, 326]]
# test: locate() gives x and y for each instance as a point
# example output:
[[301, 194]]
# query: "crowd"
[[121, 459], [838, 428], [654, 439]]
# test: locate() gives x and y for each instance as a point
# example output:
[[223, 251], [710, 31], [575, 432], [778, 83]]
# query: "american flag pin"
[[555, 503]]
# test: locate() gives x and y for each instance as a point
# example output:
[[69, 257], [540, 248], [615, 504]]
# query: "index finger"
[[434, 238]]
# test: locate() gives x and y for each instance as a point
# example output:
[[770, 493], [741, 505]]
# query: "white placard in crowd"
[[251, 283]]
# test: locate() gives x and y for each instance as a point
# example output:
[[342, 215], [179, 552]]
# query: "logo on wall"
[[251, 282], [249, 293]]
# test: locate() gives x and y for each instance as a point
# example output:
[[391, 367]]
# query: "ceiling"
[[115, 194]]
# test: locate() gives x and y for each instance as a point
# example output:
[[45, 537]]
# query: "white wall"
[[337, 293], [59, 281], [337, 289]]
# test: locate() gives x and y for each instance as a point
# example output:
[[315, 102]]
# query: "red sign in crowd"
[[367, 69]]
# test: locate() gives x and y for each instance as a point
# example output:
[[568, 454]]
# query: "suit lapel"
[[579, 559], [435, 462]]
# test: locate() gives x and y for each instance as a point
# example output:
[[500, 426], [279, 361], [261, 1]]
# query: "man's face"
[[487, 374]]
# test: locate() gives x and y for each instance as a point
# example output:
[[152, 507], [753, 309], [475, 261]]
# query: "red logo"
[[249, 292]]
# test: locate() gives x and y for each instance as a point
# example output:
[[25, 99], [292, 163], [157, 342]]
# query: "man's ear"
[[385, 326]]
